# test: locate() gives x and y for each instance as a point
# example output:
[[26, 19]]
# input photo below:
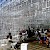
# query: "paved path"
[[32, 46], [37, 47]]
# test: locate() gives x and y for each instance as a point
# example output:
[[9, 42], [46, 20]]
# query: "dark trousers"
[[48, 45]]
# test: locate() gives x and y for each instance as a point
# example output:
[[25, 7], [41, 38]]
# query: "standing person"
[[9, 37], [42, 31], [29, 33], [23, 35], [33, 31], [39, 37], [36, 33], [20, 37], [26, 35], [39, 34]]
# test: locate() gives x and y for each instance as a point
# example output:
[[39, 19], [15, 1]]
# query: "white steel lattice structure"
[[15, 15]]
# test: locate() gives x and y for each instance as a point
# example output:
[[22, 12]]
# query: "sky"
[[1, 1], [4, 1]]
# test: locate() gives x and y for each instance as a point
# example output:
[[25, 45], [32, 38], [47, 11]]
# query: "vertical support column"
[[46, 3], [31, 1], [24, 46]]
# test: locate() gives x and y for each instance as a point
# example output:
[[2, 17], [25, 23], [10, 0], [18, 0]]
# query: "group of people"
[[45, 39], [24, 34]]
